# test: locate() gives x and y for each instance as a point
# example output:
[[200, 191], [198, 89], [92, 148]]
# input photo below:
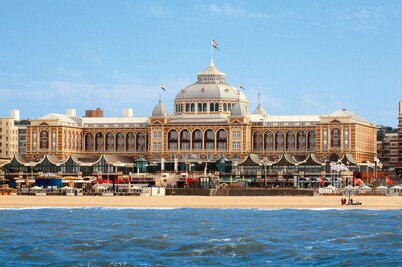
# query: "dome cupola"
[[159, 110], [209, 95]]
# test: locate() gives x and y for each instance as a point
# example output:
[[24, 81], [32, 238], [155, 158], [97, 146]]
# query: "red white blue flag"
[[215, 44]]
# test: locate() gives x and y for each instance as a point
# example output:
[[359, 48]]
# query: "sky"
[[305, 57]]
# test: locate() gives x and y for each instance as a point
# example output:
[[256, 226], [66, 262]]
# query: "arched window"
[[216, 106], [141, 141], [204, 107], [229, 107], [199, 107], [336, 137], [130, 142], [311, 140], [192, 107], [185, 140], [197, 140], [225, 107], [258, 141], [89, 142], [211, 107], [44, 140], [290, 140], [172, 140], [187, 107], [279, 140], [109, 142], [119, 142], [99, 142], [269, 140], [301, 140], [209, 140], [222, 139]]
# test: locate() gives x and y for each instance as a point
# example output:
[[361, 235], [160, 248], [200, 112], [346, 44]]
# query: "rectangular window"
[[236, 145]]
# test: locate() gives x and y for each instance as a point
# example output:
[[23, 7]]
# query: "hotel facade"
[[211, 120]]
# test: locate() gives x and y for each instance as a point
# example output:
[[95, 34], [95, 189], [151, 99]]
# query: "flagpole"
[[210, 44]]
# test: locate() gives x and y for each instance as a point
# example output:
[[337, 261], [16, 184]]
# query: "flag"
[[215, 44], [389, 181], [357, 182], [163, 87], [322, 180], [241, 87]]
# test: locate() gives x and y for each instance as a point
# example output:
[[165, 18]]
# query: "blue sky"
[[306, 57]]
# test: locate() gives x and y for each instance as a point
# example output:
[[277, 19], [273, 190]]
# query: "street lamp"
[[265, 164]]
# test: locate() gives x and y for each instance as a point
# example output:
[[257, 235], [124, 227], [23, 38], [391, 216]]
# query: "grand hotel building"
[[211, 120]]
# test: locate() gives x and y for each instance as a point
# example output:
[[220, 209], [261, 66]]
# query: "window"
[[236, 145], [336, 137], [44, 140]]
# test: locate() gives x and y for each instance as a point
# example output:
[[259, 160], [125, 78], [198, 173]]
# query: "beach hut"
[[381, 189], [396, 189]]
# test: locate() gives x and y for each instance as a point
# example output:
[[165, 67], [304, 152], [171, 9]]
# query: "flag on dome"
[[215, 44], [241, 87], [163, 87]]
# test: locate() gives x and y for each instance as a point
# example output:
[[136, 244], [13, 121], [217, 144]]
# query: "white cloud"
[[363, 19], [160, 11], [227, 9]]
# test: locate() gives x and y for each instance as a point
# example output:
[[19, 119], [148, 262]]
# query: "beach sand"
[[224, 202]]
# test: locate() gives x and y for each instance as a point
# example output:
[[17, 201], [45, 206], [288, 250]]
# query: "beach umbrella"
[[36, 188], [381, 187], [331, 187], [49, 175], [66, 188]]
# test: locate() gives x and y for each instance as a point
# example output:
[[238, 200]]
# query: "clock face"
[[205, 79], [211, 79], [217, 79]]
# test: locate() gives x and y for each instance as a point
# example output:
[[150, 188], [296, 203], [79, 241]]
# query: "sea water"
[[199, 237]]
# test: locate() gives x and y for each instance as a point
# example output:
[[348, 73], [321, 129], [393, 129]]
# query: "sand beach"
[[218, 202]]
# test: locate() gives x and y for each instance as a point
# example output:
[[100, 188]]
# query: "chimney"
[[128, 112], [15, 114], [94, 113], [71, 112]]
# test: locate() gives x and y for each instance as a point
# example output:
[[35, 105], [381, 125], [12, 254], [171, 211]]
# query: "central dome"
[[209, 89]]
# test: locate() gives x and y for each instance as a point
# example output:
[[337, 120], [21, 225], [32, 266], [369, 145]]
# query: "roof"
[[210, 91], [62, 118], [159, 110], [259, 110], [211, 70], [285, 160], [346, 113], [251, 160], [238, 110], [211, 86], [199, 118], [114, 120], [311, 160], [348, 159]]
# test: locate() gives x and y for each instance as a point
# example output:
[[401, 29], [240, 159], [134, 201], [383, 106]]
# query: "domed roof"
[[259, 110], [239, 110], [159, 110], [211, 86]]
